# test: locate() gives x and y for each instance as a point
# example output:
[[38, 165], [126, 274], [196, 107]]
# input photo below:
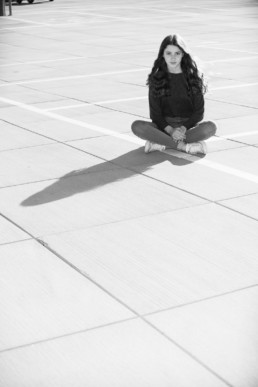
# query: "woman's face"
[[173, 57]]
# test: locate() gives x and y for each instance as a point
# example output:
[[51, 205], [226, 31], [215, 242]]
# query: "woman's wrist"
[[169, 130]]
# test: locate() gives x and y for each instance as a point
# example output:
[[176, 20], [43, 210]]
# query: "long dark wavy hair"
[[158, 79]]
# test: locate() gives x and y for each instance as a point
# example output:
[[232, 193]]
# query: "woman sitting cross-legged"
[[176, 100]]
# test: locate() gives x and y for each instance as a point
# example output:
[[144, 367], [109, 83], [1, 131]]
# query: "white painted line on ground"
[[99, 15], [85, 104], [226, 42], [207, 9], [75, 58], [57, 10], [29, 21], [229, 170], [231, 59], [234, 86], [233, 135], [171, 12], [40, 26], [133, 139], [72, 121], [227, 49], [32, 62], [73, 77]]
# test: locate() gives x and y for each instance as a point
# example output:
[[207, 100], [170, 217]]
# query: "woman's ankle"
[[181, 146]]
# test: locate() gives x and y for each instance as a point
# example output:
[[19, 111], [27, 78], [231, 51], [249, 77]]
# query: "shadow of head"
[[83, 180]]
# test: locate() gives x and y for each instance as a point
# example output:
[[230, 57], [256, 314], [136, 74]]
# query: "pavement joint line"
[[30, 21], [13, 242], [209, 9], [224, 294], [133, 139], [226, 42], [126, 7], [86, 104], [187, 352], [231, 59], [35, 26], [100, 15], [230, 103], [58, 8], [86, 330], [219, 203], [234, 86], [67, 78], [233, 136], [228, 49]]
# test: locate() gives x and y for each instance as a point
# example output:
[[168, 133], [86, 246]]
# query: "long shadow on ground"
[[120, 168]]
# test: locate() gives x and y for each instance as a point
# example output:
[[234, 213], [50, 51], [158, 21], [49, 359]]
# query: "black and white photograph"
[[128, 193]]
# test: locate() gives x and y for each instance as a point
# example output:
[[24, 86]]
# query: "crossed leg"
[[149, 131]]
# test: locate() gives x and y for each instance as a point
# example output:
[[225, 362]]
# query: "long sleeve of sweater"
[[156, 112], [198, 111]]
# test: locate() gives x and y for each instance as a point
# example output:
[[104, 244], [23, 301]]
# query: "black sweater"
[[181, 103]]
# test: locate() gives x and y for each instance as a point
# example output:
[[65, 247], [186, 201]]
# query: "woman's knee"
[[139, 128], [135, 126], [211, 128]]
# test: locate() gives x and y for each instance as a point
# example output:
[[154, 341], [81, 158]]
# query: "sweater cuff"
[[162, 125], [187, 124]]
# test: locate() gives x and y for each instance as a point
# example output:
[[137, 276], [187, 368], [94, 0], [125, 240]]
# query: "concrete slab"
[[218, 144], [42, 297], [247, 96], [28, 72], [156, 262], [217, 110], [60, 130], [220, 331], [13, 137], [27, 95], [125, 354]]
